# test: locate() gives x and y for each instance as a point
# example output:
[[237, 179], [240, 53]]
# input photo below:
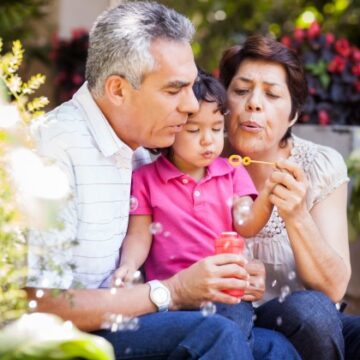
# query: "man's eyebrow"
[[176, 84], [250, 80]]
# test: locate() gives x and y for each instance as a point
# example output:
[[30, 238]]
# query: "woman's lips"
[[250, 126]]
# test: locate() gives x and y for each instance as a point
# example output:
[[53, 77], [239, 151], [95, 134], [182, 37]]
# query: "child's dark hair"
[[206, 88]]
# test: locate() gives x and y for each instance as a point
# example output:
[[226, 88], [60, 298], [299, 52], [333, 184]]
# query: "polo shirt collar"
[[103, 134], [169, 171]]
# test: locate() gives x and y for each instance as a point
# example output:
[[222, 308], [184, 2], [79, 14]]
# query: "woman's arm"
[[318, 237], [136, 246]]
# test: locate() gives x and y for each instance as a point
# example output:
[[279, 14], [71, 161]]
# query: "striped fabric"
[[99, 165]]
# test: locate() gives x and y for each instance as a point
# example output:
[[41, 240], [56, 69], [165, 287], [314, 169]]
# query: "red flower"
[[324, 118], [329, 38], [299, 34], [342, 47], [337, 65], [312, 91], [356, 70], [285, 40], [314, 30], [355, 54], [78, 33]]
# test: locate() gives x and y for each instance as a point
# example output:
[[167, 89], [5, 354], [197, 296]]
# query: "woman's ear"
[[293, 121]]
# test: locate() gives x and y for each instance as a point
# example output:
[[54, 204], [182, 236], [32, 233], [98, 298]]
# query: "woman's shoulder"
[[324, 166]]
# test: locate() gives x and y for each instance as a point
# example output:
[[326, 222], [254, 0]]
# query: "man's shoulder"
[[62, 124]]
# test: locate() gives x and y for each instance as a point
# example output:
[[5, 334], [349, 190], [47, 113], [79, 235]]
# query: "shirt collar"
[[169, 171], [103, 134]]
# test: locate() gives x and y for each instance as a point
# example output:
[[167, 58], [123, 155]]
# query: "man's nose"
[[189, 103]]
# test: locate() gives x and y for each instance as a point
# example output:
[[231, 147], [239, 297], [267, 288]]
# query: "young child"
[[184, 197]]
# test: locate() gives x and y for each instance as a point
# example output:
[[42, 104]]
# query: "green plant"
[[353, 163], [12, 222]]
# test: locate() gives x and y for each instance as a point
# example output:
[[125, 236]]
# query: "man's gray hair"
[[121, 37]]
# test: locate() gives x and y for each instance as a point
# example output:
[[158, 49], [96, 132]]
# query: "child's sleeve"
[[140, 203], [243, 185]]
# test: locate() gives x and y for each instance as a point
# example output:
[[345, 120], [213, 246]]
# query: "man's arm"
[[203, 281]]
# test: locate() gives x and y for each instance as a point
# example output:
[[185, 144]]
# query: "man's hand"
[[256, 287], [205, 280]]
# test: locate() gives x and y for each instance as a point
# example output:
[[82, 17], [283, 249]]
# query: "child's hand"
[[124, 274]]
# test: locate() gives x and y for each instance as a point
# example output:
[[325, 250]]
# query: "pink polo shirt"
[[192, 214]]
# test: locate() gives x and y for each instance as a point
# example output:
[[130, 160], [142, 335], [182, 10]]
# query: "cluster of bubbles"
[[119, 322], [242, 209]]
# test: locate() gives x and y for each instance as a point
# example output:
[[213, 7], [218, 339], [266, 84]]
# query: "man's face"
[[160, 107]]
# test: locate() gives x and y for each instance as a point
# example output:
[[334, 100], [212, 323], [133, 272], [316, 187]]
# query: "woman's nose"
[[254, 103]]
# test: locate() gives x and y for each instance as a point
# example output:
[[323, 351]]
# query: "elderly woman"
[[304, 246]]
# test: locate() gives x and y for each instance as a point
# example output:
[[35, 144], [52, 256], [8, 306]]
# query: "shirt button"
[[197, 193], [185, 181]]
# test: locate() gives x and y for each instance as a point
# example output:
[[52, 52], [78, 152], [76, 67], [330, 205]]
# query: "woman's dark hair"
[[258, 47], [206, 88]]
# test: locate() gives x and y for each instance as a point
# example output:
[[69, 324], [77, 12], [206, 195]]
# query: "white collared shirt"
[[99, 166]]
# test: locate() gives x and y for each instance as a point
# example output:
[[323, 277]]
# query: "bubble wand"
[[237, 160]]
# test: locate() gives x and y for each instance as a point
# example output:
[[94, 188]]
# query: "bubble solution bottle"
[[230, 242]]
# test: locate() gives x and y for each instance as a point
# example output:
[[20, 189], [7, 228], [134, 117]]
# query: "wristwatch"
[[159, 295]]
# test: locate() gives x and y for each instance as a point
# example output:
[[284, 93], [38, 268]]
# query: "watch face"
[[160, 295]]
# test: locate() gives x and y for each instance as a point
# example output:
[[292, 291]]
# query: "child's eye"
[[192, 130], [217, 129]]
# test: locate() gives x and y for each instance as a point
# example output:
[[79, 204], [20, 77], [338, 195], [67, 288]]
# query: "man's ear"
[[293, 121], [116, 88]]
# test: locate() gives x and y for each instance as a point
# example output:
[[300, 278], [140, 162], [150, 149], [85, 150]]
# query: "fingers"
[[223, 259], [232, 270], [292, 169]]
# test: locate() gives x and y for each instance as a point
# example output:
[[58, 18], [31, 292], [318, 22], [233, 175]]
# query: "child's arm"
[[136, 246], [258, 215]]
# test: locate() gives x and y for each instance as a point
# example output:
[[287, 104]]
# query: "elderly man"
[[140, 71]]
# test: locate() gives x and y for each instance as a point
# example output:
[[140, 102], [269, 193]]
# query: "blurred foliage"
[[17, 18], [221, 23], [353, 163], [13, 300]]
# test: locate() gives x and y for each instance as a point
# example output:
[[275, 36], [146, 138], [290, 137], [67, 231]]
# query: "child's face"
[[201, 140]]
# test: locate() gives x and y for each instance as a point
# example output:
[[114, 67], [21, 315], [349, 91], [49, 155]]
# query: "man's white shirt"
[[99, 167]]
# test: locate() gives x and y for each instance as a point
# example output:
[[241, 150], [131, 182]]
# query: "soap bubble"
[[133, 203], [291, 275], [208, 308], [155, 228], [279, 321], [284, 292]]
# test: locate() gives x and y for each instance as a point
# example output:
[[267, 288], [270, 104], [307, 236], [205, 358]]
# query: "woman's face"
[[260, 106]]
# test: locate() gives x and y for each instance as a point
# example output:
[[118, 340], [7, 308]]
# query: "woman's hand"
[[256, 285], [205, 280], [289, 188]]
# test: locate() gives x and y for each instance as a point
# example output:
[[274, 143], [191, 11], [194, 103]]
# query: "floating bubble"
[[291, 275], [284, 292], [134, 203], [274, 283], [279, 321], [113, 291], [39, 293], [254, 317], [230, 202], [208, 308], [32, 304], [242, 210], [167, 233], [128, 351], [155, 228]]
